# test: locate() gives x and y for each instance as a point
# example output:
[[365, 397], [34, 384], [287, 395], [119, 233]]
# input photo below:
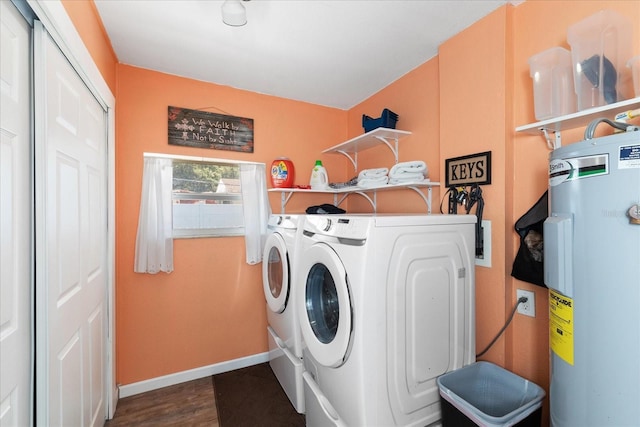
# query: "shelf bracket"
[[366, 196], [342, 199], [552, 145], [393, 148], [284, 199], [354, 159], [363, 194], [427, 198]]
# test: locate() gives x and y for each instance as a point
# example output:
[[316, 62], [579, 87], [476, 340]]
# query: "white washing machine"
[[387, 305], [283, 330]]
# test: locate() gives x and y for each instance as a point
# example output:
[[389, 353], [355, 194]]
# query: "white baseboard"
[[192, 374]]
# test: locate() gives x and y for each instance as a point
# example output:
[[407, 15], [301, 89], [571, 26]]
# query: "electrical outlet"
[[527, 308]]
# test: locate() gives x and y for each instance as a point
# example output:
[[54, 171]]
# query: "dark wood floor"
[[246, 397], [188, 404]]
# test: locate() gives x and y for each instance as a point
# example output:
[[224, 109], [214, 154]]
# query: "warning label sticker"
[[629, 157], [561, 325]]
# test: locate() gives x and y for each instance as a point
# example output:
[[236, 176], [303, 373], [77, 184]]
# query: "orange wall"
[[89, 25], [211, 308]]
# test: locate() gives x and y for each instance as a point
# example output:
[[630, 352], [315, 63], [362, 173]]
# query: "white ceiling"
[[335, 53]]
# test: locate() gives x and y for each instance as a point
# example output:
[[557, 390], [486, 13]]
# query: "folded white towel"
[[373, 182], [373, 173], [417, 166], [409, 176], [413, 180]]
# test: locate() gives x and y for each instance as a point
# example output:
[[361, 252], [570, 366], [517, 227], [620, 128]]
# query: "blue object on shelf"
[[387, 120]]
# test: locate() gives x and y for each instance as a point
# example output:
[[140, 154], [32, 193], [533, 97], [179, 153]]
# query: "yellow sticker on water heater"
[[561, 325]]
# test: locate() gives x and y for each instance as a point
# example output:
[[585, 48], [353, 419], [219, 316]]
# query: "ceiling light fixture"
[[234, 13]]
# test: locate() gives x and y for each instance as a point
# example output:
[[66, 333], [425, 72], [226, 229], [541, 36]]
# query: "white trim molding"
[[192, 374]]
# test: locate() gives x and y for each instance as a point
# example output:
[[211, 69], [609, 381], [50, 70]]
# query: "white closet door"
[[71, 236], [15, 219]]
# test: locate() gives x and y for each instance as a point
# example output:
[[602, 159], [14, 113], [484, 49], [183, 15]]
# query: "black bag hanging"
[[528, 265]]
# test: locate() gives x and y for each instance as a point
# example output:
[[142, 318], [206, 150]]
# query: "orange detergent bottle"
[[282, 174]]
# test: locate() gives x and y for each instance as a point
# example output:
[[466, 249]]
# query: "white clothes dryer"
[[387, 306], [283, 330]]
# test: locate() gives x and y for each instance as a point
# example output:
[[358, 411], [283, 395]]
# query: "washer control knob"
[[634, 214], [327, 225]]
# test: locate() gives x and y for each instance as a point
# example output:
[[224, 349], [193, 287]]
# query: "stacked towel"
[[373, 173], [369, 178], [401, 173], [407, 180], [416, 166], [408, 172], [373, 182]]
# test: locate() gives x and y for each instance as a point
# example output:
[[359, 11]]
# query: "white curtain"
[[256, 208], [154, 242]]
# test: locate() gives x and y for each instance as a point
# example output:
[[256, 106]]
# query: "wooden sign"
[[202, 129], [467, 170]]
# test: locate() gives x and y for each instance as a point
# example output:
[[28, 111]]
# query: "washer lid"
[[324, 305], [275, 273]]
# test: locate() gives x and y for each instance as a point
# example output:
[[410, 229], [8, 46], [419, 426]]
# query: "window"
[[207, 199]]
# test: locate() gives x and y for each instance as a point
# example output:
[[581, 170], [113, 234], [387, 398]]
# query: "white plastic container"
[[600, 47], [319, 178], [634, 64], [553, 90]]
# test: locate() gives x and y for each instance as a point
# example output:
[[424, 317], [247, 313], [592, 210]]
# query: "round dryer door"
[[275, 273], [325, 305]]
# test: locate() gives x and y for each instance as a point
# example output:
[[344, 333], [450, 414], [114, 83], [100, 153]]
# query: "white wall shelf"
[[350, 148], [574, 120]]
